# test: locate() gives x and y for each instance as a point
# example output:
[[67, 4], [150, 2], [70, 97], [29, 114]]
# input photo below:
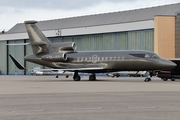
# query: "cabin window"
[[122, 58], [99, 59], [77, 58], [110, 58], [86, 59], [102, 58], [106, 58], [81, 58]]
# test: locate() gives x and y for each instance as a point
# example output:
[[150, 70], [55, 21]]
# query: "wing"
[[18, 65]]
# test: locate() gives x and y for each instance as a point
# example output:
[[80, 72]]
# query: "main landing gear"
[[148, 79], [92, 77], [76, 77], [57, 76]]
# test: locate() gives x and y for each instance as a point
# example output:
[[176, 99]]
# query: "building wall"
[[164, 36], [177, 40], [3, 57], [128, 40]]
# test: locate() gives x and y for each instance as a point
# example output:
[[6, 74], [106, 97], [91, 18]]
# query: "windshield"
[[151, 55]]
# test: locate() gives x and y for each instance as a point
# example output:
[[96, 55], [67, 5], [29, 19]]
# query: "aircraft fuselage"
[[108, 60]]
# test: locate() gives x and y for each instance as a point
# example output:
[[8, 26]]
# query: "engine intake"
[[56, 57]]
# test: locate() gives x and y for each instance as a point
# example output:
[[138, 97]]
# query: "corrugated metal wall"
[[132, 40], [3, 58]]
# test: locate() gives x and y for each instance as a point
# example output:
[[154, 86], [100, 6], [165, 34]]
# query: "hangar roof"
[[103, 19]]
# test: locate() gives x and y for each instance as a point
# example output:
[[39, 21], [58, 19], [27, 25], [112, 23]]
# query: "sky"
[[18, 11]]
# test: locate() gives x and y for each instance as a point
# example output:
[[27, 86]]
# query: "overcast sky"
[[18, 11]]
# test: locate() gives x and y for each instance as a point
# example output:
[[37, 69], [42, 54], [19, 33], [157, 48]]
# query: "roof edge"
[[30, 22]]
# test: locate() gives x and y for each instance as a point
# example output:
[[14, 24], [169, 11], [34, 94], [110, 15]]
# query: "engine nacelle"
[[55, 57], [67, 46]]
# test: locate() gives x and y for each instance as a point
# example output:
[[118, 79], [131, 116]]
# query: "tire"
[[117, 75], [164, 79], [92, 78], [146, 80], [77, 78]]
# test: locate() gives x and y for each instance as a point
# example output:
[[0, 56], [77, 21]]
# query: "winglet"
[[18, 65]]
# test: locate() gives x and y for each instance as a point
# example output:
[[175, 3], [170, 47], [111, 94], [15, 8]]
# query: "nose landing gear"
[[148, 79]]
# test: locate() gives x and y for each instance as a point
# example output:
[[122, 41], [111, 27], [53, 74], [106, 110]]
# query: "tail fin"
[[38, 41]]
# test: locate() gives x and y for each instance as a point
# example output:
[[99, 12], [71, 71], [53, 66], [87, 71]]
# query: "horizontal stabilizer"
[[38, 43], [18, 44], [18, 65]]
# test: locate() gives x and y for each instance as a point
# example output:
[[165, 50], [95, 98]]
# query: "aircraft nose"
[[168, 64]]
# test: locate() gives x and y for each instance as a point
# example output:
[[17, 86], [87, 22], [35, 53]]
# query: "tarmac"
[[123, 98]]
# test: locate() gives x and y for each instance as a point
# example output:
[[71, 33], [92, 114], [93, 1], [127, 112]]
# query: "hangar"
[[155, 29]]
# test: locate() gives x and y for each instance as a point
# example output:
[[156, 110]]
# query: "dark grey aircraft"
[[64, 56]]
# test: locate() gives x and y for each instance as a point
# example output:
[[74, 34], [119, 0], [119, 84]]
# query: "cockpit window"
[[138, 55], [151, 55], [147, 56]]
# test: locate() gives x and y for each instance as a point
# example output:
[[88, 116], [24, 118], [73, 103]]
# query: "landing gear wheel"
[[77, 78], [117, 75], [164, 79], [57, 76], [92, 78], [172, 79], [147, 79]]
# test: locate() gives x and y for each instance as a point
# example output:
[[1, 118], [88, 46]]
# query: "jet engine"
[[67, 47], [55, 57]]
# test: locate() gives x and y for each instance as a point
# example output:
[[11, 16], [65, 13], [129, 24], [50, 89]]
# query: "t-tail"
[[39, 42]]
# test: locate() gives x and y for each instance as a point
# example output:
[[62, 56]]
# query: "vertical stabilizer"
[[38, 41]]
